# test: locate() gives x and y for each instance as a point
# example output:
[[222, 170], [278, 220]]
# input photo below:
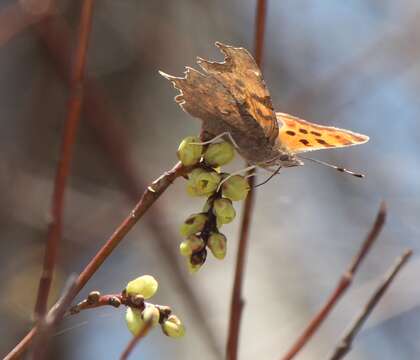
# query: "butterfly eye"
[[284, 158]]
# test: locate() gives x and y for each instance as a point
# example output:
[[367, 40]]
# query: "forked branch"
[[343, 284], [345, 343], [150, 195]]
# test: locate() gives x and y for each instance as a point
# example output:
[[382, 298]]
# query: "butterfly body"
[[231, 97]]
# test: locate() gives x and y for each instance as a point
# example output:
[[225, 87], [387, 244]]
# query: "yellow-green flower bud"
[[145, 285], [219, 154], [235, 188], [191, 244], [134, 320], [189, 152], [202, 182], [173, 327], [217, 245], [151, 314], [224, 210], [185, 248], [194, 224]]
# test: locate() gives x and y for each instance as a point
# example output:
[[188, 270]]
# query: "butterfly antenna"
[[334, 167], [270, 177]]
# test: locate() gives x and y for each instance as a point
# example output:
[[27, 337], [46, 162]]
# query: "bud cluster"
[[141, 314], [201, 230]]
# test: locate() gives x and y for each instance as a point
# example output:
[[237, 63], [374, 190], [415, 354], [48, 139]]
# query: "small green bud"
[[185, 248], [193, 268], [191, 244], [151, 313], [202, 182], [219, 154], [235, 188], [224, 211], [217, 245], [189, 153], [173, 327], [199, 257], [145, 285], [194, 224], [134, 321]]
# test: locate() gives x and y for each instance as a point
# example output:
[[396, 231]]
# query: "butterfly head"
[[283, 160]]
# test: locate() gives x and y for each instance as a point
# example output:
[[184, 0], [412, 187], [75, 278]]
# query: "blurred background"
[[351, 64]]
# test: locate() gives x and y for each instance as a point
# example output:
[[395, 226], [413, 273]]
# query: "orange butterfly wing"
[[297, 135]]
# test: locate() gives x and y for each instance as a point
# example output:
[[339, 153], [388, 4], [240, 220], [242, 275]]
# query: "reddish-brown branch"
[[343, 284], [150, 195], [69, 136], [18, 351], [260, 20], [237, 302], [345, 343]]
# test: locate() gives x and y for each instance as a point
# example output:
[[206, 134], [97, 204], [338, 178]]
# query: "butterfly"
[[231, 98]]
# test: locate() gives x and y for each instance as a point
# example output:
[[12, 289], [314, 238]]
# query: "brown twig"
[[150, 195], [237, 302], [66, 154], [345, 343], [95, 299], [343, 284]]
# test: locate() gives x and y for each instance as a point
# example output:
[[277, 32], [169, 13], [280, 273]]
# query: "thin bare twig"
[[237, 302], [150, 195], [66, 154], [343, 284], [345, 343]]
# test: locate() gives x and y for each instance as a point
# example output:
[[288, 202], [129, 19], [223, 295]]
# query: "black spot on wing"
[[305, 142]]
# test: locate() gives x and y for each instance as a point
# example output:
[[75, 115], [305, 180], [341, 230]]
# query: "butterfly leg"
[[217, 137], [238, 172]]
